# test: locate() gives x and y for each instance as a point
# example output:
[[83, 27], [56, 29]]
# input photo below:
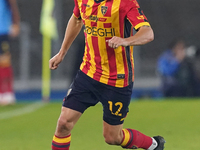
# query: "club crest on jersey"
[[104, 9]]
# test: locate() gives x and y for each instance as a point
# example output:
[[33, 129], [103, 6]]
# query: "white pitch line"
[[20, 111]]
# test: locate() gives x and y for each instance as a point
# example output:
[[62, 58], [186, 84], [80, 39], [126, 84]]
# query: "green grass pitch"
[[25, 128]]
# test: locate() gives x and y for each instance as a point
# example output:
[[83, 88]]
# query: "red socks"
[[6, 79], [61, 143], [134, 139]]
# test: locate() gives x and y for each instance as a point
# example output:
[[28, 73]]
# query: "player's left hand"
[[115, 42]]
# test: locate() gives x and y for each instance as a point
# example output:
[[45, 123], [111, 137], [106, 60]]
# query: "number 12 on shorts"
[[117, 104]]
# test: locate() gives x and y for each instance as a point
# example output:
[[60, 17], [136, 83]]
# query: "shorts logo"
[[69, 91], [104, 9]]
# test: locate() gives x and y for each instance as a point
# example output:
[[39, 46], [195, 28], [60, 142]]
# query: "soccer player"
[[9, 27], [106, 74]]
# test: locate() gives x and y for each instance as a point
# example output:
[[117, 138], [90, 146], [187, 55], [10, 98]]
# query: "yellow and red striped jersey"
[[104, 19]]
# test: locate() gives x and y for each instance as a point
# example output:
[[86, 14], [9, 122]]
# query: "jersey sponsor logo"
[[94, 18], [102, 32], [104, 9], [86, 5]]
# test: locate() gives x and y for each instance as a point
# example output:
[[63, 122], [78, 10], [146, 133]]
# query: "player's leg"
[[66, 121], [65, 124], [112, 133], [115, 110], [131, 138], [78, 99]]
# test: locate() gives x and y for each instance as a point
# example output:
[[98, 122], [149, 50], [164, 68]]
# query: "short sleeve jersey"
[[104, 19]]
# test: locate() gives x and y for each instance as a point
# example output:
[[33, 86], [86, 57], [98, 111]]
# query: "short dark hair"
[[175, 41]]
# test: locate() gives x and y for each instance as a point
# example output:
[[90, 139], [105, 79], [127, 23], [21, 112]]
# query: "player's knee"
[[64, 124], [111, 140]]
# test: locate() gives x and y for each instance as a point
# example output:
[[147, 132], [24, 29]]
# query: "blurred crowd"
[[178, 75]]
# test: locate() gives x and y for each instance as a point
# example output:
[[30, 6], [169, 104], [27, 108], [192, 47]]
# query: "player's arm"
[[15, 28], [144, 35], [140, 23], [73, 28]]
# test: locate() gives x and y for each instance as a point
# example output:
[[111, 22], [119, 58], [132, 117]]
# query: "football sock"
[[153, 145], [134, 139], [9, 74], [61, 143], [6, 79], [1, 80]]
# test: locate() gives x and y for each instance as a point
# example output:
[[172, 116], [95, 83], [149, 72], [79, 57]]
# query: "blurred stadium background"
[[168, 19], [30, 125]]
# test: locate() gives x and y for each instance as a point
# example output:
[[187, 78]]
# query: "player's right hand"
[[55, 61], [14, 30]]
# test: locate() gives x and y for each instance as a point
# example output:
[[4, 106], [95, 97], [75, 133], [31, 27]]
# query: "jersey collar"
[[98, 1]]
